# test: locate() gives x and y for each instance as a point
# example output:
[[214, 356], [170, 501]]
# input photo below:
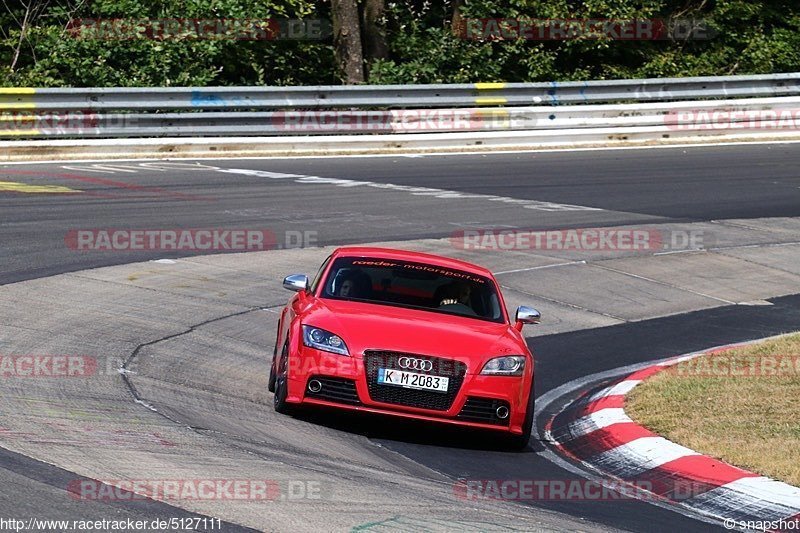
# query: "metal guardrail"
[[676, 115], [185, 111]]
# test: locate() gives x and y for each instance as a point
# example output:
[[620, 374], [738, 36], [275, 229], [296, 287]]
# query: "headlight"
[[510, 365], [324, 340]]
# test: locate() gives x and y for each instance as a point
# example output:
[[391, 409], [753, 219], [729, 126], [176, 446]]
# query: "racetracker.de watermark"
[[578, 490], [48, 366], [195, 240], [733, 119], [532, 29], [583, 239], [60, 123], [398, 120], [236, 29], [724, 366], [209, 489]]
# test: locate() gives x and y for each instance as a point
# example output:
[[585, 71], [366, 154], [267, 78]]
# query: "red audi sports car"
[[405, 334]]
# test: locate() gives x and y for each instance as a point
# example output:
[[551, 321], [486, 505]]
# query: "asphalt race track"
[[196, 333], [631, 186]]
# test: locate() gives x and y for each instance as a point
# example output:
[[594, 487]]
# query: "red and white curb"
[[596, 431]]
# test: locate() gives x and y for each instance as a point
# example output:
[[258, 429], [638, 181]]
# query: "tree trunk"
[[457, 22], [374, 40], [347, 40]]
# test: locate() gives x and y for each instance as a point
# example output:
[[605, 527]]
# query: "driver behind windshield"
[[455, 297]]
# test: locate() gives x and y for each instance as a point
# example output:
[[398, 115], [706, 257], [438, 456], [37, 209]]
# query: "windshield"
[[416, 285]]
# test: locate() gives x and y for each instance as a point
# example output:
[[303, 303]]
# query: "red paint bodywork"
[[365, 326]]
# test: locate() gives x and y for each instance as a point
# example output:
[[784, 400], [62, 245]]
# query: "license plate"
[[411, 380]]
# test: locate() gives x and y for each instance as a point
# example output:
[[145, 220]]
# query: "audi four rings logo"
[[415, 364]]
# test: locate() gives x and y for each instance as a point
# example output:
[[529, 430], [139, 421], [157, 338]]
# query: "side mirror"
[[296, 282], [526, 315]]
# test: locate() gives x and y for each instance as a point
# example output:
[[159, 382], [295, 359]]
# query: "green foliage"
[[751, 36], [52, 56]]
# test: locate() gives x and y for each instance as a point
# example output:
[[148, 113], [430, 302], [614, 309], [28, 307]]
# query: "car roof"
[[408, 255]]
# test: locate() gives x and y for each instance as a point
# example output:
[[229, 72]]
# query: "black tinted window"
[[416, 285]]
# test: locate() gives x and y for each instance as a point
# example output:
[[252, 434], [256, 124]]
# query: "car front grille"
[[337, 390], [483, 410], [439, 401]]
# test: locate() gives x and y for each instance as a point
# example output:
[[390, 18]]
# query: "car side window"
[[318, 277]]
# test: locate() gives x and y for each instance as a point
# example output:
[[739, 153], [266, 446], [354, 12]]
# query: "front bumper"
[[473, 404]]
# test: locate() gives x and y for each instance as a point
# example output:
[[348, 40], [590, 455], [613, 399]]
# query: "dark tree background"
[[380, 41]]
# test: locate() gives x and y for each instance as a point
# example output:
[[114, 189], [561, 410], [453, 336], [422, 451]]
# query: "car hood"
[[365, 326]]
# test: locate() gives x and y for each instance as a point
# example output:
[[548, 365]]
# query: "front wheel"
[[279, 402], [520, 442], [271, 382]]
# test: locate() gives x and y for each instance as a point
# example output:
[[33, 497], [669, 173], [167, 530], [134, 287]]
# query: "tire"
[[271, 382], [519, 443], [279, 402]]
